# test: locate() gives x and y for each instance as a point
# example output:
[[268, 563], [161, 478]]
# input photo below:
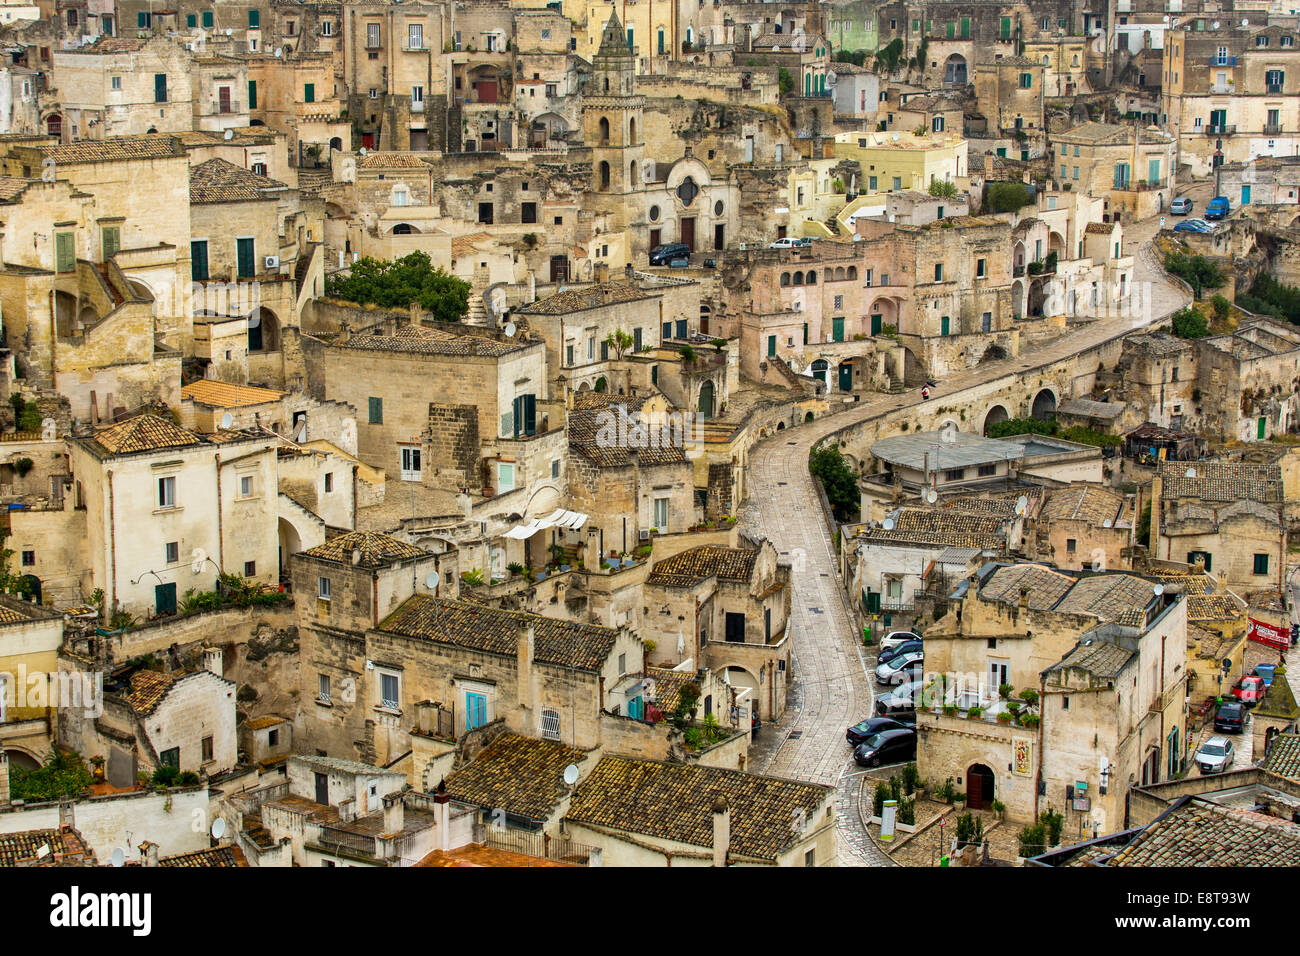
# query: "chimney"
[[212, 660], [149, 853], [4, 779], [591, 550], [602, 274], [1153, 535], [67, 817], [394, 814], [442, 821], [721, 830], [525, 648], [1024, 597]]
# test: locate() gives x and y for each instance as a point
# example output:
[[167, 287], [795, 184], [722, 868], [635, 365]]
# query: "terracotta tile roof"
[[113, 149], [1211, 607], [478, 854], [953, 528], [1284, 756], [12, 188], [1046, 586], [1110, 597], [1222, 481], [143, 433], [589, 399], [1000, 503], [1200, 833], [423, 341], [464, 245], [585, 437], [674, 802], [261, 723], [668, 686], [24, 844], [392, 160], [148, 688], [1099, 228], [208, 391], [687, 568], [524, 776], [218, 180], [611, 292], [477, 627], [378, 550], [1088, 503], [9, 616], [217, 856], [1101, 659]]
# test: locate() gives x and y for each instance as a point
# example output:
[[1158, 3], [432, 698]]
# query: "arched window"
[[631, 173], [604, 129], [604, 175], [798, 278], [785, 278], [606, 84], [839, 273], [631, 131], [812, 278], [853, 272]]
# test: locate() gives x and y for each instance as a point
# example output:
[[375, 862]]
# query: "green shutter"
[[65, 252], [1006, 28], [111, 238], [254, 19], [771, 346], [191, 21], [376, 411], [309, 92], [199, 260], [944, 324], [252, 94], [207, 18], [245, 260], [837, 328]]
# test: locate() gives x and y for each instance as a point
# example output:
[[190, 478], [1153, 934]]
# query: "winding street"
[[832, 686]]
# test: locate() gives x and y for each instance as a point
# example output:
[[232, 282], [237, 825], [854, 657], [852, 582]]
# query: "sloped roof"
[[113, 149], [1201, 833], [377, 550], [1045, 586], [611, 292], [674, 802], [688, 568], [1081, 502], [1284, 756], [425, 341], [217, 856], [148, 688], [1222, 481], [209, 391], [143, 432], [521, 775], [1101, 659], [589, 430], [218, 180], [24, 844]]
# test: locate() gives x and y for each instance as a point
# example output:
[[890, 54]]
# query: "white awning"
[[565, 520]]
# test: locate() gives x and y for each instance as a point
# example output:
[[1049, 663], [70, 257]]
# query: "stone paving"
[[831, 684]]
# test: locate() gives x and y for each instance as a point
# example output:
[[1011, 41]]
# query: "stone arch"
[[780, 426], [811, 278], [995, 415], [1018, 255], [54, 125], [820, 369], [808, 416], [584, 387], [852, 273], [631, 173], [602, 131], [1018, 299], [705, 405], [798, 278], [1043, 406], [739, 676], [631, 131], [403, 229], [839, 273], [1056, 243], [65, 313], [955, 70], [980, 785], [336, 143], [601, 385], [263, 330], [19, 757], [785, 279]]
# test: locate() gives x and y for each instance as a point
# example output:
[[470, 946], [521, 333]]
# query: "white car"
[[785, 242], [894, 638], [900, 669], [1215, 755]]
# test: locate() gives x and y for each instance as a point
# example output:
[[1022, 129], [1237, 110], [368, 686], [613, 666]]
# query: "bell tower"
[[611, 115]]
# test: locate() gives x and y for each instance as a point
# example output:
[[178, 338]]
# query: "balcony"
[[1272, 129], [1221, 130], [1223, 61], [1273, 88], [229, 106], [415, 48]]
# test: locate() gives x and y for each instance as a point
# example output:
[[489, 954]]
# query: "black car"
[[889, 653], [868, 728], [663, 255], [888, 746], [1231, 718]]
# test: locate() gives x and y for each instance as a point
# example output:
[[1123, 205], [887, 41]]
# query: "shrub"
[[514, 567], [1053, 822], [1029, 720], [1222, 307], [998, 807], [911, 778], [187, 778], [64, 775], [1188, 324], [1029, 696], [23, 466], [841, 486], [907, 811], [1005, 196], [165, 776], [395, 284], [785, 82], [1197, 271], [1033, 840], [970, 829], [1005, 691], [1004, 716], [881, 795], [687, 353], [473, 577], [973, 712], [944, 189], [950, 710], [947, 792]]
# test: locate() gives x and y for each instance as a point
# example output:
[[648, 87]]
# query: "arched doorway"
[[33, 583], [601, 384], [846, 376], [604, 175], [819, 369], [19, 759], [979, 786], [954, 71], [336, 143], [706, 400], [263, 331], [1044, 406], [996, 414], [994, 353], [54, 125]]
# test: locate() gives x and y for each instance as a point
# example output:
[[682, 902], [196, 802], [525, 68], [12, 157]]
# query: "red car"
[[1249, 690]]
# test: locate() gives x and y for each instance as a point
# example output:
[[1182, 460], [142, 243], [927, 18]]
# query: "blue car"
[[1265, 672], [1194, 225], [1218, 208]]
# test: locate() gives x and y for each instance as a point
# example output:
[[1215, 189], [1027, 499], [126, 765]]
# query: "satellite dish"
[[118, 857], [1216, 24], [431, 582], [511, 329], [229, 31], [218, 828], [363, 151], [1159, 589], [277, 54], [1245, 22], [887, 524], [931, 496], [571, 774], [1191, 473], [227, 420], [1107, 523], [356, 556], [1022, 505], [895, 137], [230, 134]]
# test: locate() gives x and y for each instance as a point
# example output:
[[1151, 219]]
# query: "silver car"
[[1215, 755], [899, 670]]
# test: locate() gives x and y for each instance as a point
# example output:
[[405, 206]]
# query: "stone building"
[[1132, 167], [1085, 527], [1158, 374], [31, 691], [1248, 381], [126, 86]]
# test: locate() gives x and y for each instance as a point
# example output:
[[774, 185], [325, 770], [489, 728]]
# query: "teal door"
[[877, 323], [846, 377], [1245, 195], [636, 708], [245, 259], [164, 596], [1262, 428], [475, 710], [199, 260], [944, 325], [837, 328]]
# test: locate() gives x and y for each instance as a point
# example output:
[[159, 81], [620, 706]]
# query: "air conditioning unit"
[[643, 534], [271, 262]]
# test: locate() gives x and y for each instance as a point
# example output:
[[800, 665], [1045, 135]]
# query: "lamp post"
[[1218, 166]]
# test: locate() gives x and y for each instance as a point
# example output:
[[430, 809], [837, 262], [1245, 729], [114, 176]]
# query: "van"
[[1218, 208]]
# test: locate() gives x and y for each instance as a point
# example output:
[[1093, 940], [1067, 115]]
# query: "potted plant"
[[974, 712], [1005, 691], [1004, 717]]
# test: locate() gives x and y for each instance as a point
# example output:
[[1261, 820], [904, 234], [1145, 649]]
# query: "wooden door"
[[688, 233]]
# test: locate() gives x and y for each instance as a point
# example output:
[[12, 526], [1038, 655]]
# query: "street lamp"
[[1218, 165]]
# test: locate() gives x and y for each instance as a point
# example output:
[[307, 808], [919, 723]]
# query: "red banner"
[[1270, 634]]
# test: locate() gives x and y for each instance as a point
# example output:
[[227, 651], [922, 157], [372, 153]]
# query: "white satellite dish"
[[277, 54], [118, 857], [1107, 523], [227, 420], [511, 329], [1022, 505], [571, 774], [229, 31], [931, 496], [1191, 473], [356, 556], [230, 134], [363, 151], [218, 828], [431, 582], [1159, 589], [1245, 22], [1216, 24], [887, 524]]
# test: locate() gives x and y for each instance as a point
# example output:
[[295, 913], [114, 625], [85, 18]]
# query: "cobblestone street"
[[832, 685]]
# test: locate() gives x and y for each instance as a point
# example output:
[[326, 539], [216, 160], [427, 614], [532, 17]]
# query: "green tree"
[[619, 341], [785, 82], [1222, 307], [1189, 324], [1021, 426], [1197, 271], [396, 283], [944, 189], [841, 486], [1006, 196], [64, 775], [887, 56]]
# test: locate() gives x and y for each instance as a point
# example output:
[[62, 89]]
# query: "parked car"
[[785, 242], [888, 746], [1181, 206], [1215, 755], [894, 638], [1265, 672], [1249, 690], [861, 731], [889, 653], [901, 668], [1231, 717], [1194, 225], [1218, 208], [682, 263], [663, 255], [901, 700]]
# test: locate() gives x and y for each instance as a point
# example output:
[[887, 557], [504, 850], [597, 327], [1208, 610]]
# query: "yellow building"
[[31, 687], [896, 161]]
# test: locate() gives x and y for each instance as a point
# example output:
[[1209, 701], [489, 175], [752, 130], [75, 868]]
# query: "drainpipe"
[[112, 550], [1042, 713], [54, 335], [221, 552]]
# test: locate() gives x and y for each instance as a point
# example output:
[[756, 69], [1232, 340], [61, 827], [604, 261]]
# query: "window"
[[417, 94], [246, 486], [323, 687], [389, 692], [528, 213], [505, 476], [1071, 545], [954, 474], [938, 272], [206, 745], [1026, 81], [661, 515], [372, 35], [29, 559], [376, 411], [979, 268], [309, 92], [323, 588], [207, 18], [987, 471], [410, 463], [65, 252], [810, 857], [555, 468], [551, 724], [327, 28], [254, 19], [273, 738], [173, 552], [1261, 564], [329, 481], [111, 240], [144, 20], [167, 492], [116, 82], [250, 569], [415, 36], [170, 757]]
